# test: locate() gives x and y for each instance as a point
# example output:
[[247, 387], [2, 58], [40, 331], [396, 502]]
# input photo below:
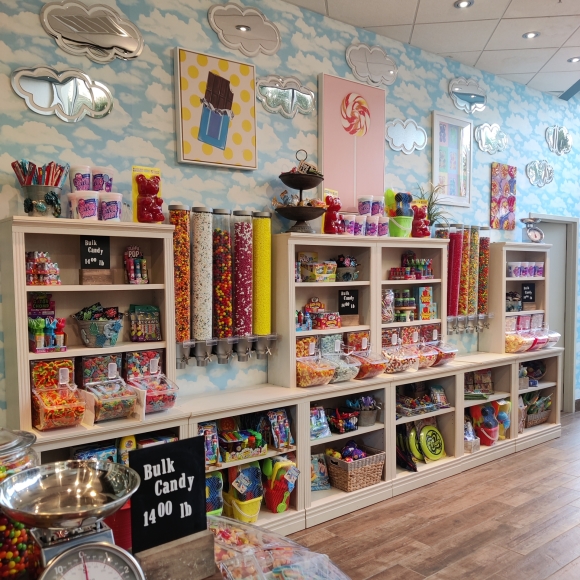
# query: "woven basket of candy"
[[353, 475], [537, 418], [100, 333]]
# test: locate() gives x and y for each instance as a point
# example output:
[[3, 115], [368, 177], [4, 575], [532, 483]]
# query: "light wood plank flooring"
[[515, 518]]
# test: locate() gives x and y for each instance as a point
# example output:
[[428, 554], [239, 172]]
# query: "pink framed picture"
[[351, 142], [503, 196]]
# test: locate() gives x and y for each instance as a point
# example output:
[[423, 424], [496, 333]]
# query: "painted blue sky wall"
[[140, 129]]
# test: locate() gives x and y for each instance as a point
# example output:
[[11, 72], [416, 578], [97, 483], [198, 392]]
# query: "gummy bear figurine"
[[332, 224], [420, 222], [148, 202]]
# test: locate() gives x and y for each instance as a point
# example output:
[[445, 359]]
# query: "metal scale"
[[64, 503]]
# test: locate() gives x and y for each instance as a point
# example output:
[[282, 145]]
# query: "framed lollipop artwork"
[[503, 196], [351, 143], [451, 167]]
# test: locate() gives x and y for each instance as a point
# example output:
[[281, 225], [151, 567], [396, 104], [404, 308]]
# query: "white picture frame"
[[452, 158]]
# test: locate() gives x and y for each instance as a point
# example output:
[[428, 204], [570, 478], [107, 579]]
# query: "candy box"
[[157, 440], [110, 400], [314, 305], [141, 363], [161, 393], [323, 320], [308, 257], [88, 452], [95, 368], [236, 445], [44, 374], [311, 272], [56, 408]]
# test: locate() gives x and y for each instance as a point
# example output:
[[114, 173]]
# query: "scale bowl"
[[301, 214], [301, 181], [67, 494]]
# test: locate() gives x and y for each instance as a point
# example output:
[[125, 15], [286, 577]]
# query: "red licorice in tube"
[[454, 272]]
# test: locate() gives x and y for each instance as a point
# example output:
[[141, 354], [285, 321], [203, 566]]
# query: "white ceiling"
[[487, 35]]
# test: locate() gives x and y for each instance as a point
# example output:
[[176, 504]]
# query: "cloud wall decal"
[[371, 65], [405, 136], [244, 29], [284, 95], [540, 172], [490, 138]]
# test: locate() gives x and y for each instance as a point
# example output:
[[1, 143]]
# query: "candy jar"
[[387, 306], [483, 278], [18, 551], [201, 282], [262, 300], [441, 231], [223, 323], [462, 306], [243, 281]]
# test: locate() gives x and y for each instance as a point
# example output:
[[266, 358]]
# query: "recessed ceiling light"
[[574, 59], [463, 3], [243, 28], [529, 35]]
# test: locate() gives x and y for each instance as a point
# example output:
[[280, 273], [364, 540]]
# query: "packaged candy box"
[[141, 363], [56, 408], [93, 369], [112, 399], [161, 392], [92, 453]]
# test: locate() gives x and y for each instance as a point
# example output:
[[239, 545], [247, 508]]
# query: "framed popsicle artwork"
[[351, 138], [215, 110]]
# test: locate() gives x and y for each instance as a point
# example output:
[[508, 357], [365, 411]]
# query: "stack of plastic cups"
[[262, 309], [201, 281], [243, 281], [179, 217], [223, 323]]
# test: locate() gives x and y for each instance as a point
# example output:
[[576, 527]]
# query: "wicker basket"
[[350, 476], [100, 333], [367, 418], [522, 415], [537, 418]]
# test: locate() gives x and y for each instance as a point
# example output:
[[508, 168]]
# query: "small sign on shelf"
[[529, 296], [95, 255], [348, 307]]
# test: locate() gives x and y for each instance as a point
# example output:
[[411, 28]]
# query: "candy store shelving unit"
[[500, 254], [61, 239]]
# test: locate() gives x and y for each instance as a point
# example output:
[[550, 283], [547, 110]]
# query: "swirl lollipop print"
[[356, 121]]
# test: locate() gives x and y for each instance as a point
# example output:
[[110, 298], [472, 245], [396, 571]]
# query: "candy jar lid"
[[222, 212], [202, 209], [178, 206], [243, 212], [262, 214], [12, 442]]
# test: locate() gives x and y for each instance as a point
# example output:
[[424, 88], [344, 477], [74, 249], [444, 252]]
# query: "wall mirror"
[[467, 95], [540, 172], [490, 138], [70, 94], [284, 95], [559, 140]]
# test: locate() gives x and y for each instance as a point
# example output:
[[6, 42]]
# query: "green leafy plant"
[[432, 195]]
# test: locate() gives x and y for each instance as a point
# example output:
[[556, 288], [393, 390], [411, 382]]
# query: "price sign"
[[170, 502], [528, 292], [95, 252], [347, 302]]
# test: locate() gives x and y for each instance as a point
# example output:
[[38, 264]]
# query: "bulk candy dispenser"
[[473, 278], [483, 279], [179, 217], [462, 305], [454, 274], [223, 323], [243, 282]]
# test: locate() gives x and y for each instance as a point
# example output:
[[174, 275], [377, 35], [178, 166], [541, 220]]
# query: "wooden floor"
[[515, 518]]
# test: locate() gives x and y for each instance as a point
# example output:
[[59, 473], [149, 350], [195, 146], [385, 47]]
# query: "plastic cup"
[[80, 177], [378, 206], [524, 269], [514, 269], [365, 203], [360, 222], [540, 269], [84, 205], [110, 205], [348, 220], [372, 227], [103, 179], [383, 229], [531, 269]]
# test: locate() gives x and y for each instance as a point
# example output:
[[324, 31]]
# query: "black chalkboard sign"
[[95, 252], [347, 302], [170, 502], [528, 292]]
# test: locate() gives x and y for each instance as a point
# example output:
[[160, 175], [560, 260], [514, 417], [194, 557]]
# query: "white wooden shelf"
[[95, 288], [541, 385], [269, 453], [333, 330], [347, 435], [412, 418], [355, 283], [535, 430], [422, 467], [77, 350], [495, 397], [424, 281], [525, 278], [522, 312], [413, 323]]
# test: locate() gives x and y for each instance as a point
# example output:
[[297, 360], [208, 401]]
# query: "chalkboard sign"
[[528, 292], [347, 302], [170, 502], [95, 252]]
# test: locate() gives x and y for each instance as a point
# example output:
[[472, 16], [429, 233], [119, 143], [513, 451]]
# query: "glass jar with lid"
[[16, 453]]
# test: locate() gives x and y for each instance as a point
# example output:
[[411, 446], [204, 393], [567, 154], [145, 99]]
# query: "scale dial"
[[535, 234], [94, 561]]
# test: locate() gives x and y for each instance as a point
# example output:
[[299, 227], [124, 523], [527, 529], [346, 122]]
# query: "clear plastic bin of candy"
[[427, 355], [518, 341], [445, 353], [357, 341], [408, 406], [312, 371], [330, 344], [305, 346], [347, 367], [540, 338], [113, 399], [161, 392], [400, 359], [371, 365], [56, 408], [553, 338]]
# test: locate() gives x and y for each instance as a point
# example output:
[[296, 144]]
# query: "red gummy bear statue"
[[420, 222], [332, 225], [148, 202]]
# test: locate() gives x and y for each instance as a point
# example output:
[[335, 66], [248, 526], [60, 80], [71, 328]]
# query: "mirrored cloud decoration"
[[70, 94], [284, 95], [467, 95], [540, 173], [99, 32], [490, 138], [405, 136], [244, 29], [371, 65], [559, 140]]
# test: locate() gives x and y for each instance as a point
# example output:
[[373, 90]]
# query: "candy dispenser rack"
[[454, 274], [262, 296]]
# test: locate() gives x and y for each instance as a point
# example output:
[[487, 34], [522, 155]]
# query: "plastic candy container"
[[454, 269], [55, 408], [223, 322], [540, 338], [96, 368], [312, 372], [180, 217], [427, 356], [400, 359], [44, 374], [347, 367], [387, 306], [305, 346], [142, 363], [483, 279], [330, 344], [358, 340], [113, 399], [262, 226], [371, 364], [445, 353], [243, 276], [518, 341], [553, 338], [161, 392]]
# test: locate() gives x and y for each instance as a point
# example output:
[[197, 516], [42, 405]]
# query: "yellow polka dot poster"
[[216, 110]]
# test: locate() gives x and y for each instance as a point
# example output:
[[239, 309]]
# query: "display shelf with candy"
[[406, 282], [97, 288], [348, 435], [411, 323], [352, 283], [497, 396], [539, 386]]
